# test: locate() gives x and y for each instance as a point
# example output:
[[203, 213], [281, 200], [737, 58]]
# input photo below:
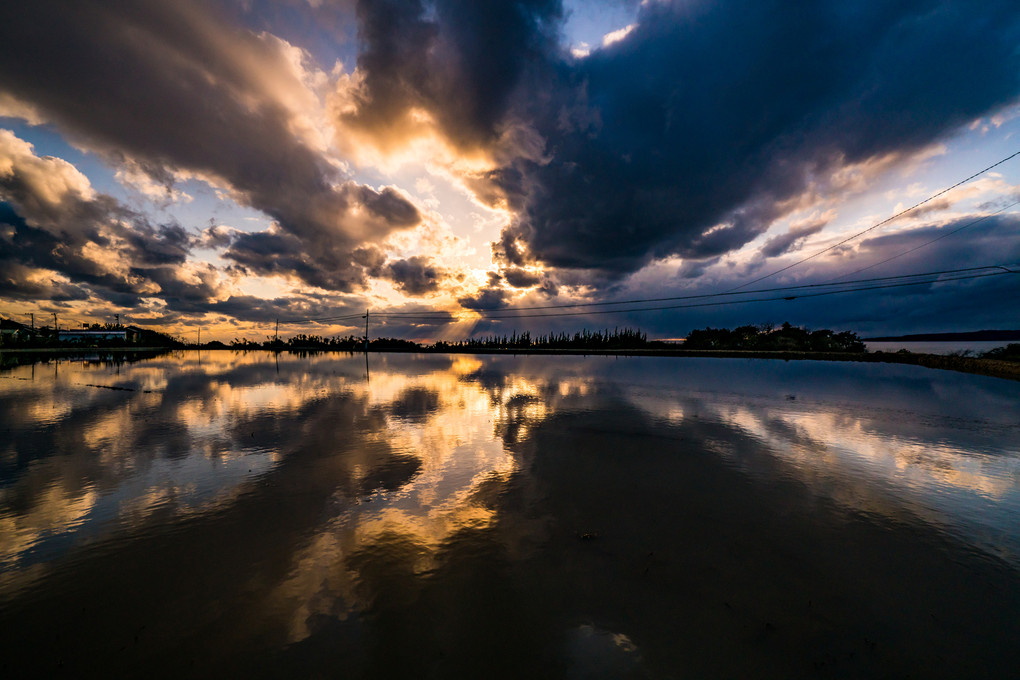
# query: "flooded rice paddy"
[[462, 516]]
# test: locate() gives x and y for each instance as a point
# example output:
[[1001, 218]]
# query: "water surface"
[[494, 516], [967, 347]]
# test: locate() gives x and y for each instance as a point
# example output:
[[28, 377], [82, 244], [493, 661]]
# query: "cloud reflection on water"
[[323, 501]]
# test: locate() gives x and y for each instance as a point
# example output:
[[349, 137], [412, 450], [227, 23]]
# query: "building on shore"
[[128, 334], [12, 331]]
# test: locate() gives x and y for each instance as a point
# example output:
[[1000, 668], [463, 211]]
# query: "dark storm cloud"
[[432, 328], [215, 237], [994, 240], [415, 276], [777, 245], [693, 134], [693, 269], [53, 221], [969, 305], [288, 309], [165, 244], [487, 298], [961, 305], [521, 278], [460, 60], [707, 122], [277, 252], [929, 209], [21, 283], [170, 86], [191, 295], [29, 251]]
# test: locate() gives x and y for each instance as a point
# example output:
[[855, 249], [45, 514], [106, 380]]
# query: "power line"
[[811, 291], [329, 318], [881, 286], [876, 226], [410, 315], [734, 291], [512, 314], [928, 243]]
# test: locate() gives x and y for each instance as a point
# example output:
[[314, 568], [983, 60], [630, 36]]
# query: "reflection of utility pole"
[[366, 331]]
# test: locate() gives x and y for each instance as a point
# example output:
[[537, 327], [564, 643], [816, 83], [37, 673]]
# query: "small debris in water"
[[112, 387]]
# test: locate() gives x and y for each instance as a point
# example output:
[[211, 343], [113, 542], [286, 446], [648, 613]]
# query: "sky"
[[462, 168]]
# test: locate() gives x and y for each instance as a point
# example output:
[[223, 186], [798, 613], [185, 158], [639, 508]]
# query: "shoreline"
[[85, 350], [993, 368]]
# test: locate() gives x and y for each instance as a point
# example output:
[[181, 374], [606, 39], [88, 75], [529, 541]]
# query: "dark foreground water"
[[436, 516]]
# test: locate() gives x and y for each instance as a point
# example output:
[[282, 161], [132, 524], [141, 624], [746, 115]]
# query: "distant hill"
[[973, 336]]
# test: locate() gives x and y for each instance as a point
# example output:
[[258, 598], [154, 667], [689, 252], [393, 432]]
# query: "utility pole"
[[276, 338], [117, 318], [56, 326], [366, 331], [199, 336], [32, 314]]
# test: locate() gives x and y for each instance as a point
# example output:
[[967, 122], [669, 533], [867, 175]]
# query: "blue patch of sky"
[[47, 141], [205, 208], [588, 20], [208, 207], [969, 150], [966, 152], [328, 32]]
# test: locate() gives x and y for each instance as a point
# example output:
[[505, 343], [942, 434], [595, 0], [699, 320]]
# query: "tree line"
[[768, 338], [618, 338], [762, 338]]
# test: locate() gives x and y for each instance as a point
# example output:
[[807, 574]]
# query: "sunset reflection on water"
[[442, 514]]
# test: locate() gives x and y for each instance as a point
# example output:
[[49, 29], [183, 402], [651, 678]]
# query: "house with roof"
[[11, 331], [127, 334]]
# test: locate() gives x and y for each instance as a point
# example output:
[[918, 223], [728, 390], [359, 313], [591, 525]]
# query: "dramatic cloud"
[[972, 304], [452, 64], [708, 121], [777, 245], [171, 87], [52, 220], [26, 283], [485, 299], [286, 309], [279, 252], [521, 278], [415, 276]]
